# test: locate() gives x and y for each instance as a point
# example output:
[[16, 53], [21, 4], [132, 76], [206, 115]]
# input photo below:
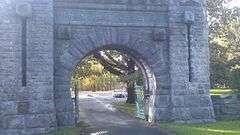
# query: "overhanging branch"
[[116, 63], [108, 66]]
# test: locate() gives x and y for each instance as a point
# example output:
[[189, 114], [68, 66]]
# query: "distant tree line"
[[90, 75], [224, 41]]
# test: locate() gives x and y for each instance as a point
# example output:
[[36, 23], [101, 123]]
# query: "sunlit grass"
[[218, 92], [81, 126], [66, 131], [124, 107], [218, 128]]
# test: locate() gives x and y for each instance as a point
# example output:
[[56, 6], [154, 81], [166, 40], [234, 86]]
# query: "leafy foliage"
[[224, 40], [105, 70], [90, 75]]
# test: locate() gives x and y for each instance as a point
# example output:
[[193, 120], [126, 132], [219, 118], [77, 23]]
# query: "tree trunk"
[[131, 93], [120, 69], [130, 84]]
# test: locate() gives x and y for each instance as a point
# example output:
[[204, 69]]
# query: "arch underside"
[[150, 56]]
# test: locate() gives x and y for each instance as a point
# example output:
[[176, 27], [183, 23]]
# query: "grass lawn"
[[81, 127], [218, 92], [66, 131], [218, 128], [124, 107]]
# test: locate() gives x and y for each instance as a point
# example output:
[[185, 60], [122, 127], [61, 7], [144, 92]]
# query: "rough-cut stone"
[[1, 124], [13, 122], [40, 120], [227, 106], [60, 33], [23, 107]]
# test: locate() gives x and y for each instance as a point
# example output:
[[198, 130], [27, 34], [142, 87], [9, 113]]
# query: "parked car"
[[120, 94]]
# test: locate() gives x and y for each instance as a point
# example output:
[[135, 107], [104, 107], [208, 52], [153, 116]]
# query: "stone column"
[[26, 109], [191, 102]]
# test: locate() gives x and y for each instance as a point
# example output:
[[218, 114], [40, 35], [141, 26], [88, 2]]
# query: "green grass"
[[66, 131], [218, 92], [218, 128], [124, 107], [81, 127]]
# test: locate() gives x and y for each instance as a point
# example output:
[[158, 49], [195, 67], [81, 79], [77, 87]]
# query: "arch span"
[[60, 33], [143, 52]]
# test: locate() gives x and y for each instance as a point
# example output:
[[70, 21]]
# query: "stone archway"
[[59, 33], [141, 51]]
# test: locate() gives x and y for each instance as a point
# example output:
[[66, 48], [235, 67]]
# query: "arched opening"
[[142, 79], [148, 55]]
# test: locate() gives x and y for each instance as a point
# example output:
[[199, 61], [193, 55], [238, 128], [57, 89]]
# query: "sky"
[[233, 3]]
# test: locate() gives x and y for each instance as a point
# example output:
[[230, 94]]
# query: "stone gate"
[[41, 41]]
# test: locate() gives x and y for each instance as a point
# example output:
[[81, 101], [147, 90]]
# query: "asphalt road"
[[106, 120]]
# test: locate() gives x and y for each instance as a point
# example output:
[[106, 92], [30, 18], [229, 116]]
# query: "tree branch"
[[116, 63], [108, 66]]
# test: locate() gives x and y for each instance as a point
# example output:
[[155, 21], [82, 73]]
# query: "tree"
[[88, 67], [90, 75], [224, 41], [103, 69], [122, 65]]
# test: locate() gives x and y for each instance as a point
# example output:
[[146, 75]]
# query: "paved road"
[[106, 120]]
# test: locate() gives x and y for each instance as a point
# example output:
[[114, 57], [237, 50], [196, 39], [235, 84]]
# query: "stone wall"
[[227, 106], [61, 33], [30, 109]]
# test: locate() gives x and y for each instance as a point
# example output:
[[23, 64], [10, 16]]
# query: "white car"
[[120, 94]]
